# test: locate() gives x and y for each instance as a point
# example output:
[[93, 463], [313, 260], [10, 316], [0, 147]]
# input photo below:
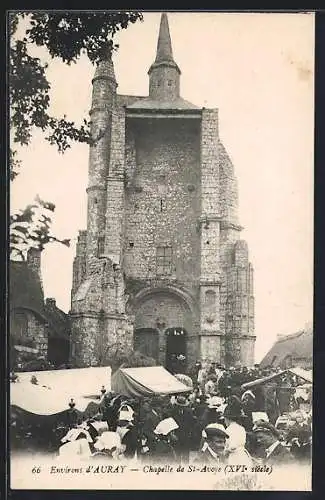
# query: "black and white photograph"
[[160, 310]]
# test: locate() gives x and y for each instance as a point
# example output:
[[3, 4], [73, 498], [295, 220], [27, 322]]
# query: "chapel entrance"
[[176, 359], [146, 341]]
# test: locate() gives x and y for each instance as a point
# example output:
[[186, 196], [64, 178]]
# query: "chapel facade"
[[161, 266]]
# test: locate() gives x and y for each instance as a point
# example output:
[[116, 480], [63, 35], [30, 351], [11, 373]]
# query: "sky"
[[258, 70]]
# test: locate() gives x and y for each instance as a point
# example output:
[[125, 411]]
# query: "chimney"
[[50, 302], [34, 262]]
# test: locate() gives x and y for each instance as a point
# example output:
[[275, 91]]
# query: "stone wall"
[[98, 313], [79, 262], [228, 187], [162, 198], [240, 294], [210, 239], [101, 117], [93, 337], [38, 331], [28, 329], [164, 83]]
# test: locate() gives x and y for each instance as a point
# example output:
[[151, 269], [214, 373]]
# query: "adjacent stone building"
[[38, 328], [161, 265]]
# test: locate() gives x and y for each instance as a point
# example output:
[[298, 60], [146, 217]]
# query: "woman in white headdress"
[[163, 447], [76, 445], [236, 442], [109, 445]]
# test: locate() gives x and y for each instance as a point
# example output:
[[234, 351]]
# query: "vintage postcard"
[[161, 250]]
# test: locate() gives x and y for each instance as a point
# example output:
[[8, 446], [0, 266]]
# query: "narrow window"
[[162, 205], [164, 260], [100, 245], [210, 298]]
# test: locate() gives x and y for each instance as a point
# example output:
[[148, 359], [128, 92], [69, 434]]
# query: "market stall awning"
[[146, 381], [299, 372], [86, 382], [55, 388], [43, 401]]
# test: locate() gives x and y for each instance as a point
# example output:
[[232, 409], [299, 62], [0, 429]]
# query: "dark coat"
[[130, 440], [210, 416], [279, 456], [249, 407], [301, 446], [187, 423], [163, 452], [301, 432]]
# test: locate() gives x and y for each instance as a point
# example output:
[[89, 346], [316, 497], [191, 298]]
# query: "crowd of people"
[[216, 421]]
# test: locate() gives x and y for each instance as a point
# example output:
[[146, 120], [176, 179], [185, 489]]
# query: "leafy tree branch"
[[66, 36]]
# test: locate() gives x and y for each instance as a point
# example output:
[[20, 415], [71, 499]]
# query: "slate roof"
[[147, 103], [58, 320], [297, 345], [25, 288]]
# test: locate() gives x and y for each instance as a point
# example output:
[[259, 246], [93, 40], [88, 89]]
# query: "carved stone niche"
[[161, 323]]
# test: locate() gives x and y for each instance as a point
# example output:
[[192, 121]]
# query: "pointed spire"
[[164, 45], [164, 54], [164, 74]]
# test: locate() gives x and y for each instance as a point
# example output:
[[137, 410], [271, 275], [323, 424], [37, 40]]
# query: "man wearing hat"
[[212, 451], [182, 413], [267, 439], [299, 437]]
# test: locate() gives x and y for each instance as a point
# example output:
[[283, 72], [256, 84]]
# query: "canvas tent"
[[299, 372], [55, 388], [146, 381], [43, 401]]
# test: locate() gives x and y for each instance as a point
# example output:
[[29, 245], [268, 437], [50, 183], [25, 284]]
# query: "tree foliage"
[[31, 228], [66, 36]]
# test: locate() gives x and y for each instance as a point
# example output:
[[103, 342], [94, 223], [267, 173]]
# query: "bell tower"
[[164, 74]]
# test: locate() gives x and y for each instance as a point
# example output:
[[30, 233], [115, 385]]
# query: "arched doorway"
[[146, 341], [58, 351], [176, 355]]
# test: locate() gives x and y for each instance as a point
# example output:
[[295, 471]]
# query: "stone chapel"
[[161, 266]]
